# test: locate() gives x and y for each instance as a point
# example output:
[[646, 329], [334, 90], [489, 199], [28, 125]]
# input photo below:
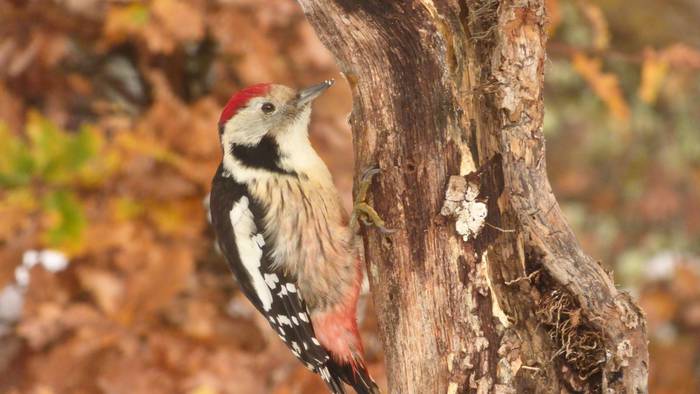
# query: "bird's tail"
[[332, 380], [357, 377]]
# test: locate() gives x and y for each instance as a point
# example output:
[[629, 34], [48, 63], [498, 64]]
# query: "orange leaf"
[[654, 70], [605, 85]]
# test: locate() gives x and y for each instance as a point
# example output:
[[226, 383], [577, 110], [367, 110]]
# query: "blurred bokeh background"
[[109, 282]]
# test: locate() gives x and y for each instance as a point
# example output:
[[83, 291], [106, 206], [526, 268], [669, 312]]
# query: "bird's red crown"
[[241, 98]]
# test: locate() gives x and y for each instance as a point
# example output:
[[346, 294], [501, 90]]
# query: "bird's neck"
[[279, 153]]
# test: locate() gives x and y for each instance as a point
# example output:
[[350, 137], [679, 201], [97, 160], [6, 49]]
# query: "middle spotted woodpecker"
[[280, 224]]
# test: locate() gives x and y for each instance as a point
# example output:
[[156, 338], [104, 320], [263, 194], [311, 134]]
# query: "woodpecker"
[[279, 222]]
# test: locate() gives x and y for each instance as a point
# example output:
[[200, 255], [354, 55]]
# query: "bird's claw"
[[362, 209]]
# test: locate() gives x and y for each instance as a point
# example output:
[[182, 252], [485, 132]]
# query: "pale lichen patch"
[[630, 317], [496, 309], [462, 204], [510, 361], [452, 388], [624, 352]]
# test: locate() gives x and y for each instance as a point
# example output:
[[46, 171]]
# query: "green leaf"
[[68, 220], [16, 163]]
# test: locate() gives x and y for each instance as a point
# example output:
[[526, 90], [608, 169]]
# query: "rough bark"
[[448, 99]]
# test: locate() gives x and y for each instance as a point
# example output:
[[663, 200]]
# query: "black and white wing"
[[236, 218]]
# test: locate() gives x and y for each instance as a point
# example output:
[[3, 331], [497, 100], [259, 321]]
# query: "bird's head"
[[265, 126], [266, 109]]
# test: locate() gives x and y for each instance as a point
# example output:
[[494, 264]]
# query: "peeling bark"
[[448, 103]]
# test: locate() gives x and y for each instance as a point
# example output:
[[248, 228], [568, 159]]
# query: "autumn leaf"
[[122, 21], [605, 85], [654, 70], [598, 24]]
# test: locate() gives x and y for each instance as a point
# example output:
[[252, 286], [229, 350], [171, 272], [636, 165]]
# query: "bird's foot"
[[362, 210]]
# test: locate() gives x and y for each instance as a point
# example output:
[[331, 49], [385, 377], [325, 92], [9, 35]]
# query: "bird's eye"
[[268, 107]]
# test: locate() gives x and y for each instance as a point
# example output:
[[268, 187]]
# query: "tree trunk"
[[483, 287]]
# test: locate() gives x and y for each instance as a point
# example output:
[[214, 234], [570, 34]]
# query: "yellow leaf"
[[126, 209], [605, 85], [122, 21], [203, 389], [654, 71]]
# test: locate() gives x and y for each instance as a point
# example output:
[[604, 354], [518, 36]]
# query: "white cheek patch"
[[248, 242]]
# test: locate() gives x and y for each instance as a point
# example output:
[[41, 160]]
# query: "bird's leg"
[[362, 210]]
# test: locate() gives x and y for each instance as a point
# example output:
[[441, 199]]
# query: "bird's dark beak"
[[307, 95]]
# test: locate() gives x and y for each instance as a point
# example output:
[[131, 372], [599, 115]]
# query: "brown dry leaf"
[[660, 307], [24, 56], [182, 20], [158, 39], [654, 71], [106, 288], [605, 85], [228, 372], [11, 108], [43, 327], [182, 218], [553, 11], [64, 368], [673, 367], [682, 56], [134, 374], [258, 52], [300, 381], [686, 282], [157, 274]]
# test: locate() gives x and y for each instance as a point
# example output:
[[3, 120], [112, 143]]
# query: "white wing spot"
[[304, 317], [306, 345], [283, 292], [272, 320], [315, 341], [249, 249], [296, 347], [325, 374], [271, 280], [295, 321], [281, 330], [259, 239], [284, 320], [282, 338], [291, 288], [309, 366]]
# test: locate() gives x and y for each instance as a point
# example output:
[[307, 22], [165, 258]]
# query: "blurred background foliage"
[[109, 281]]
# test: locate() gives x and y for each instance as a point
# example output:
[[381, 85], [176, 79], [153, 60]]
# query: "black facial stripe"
[[264, 155]]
